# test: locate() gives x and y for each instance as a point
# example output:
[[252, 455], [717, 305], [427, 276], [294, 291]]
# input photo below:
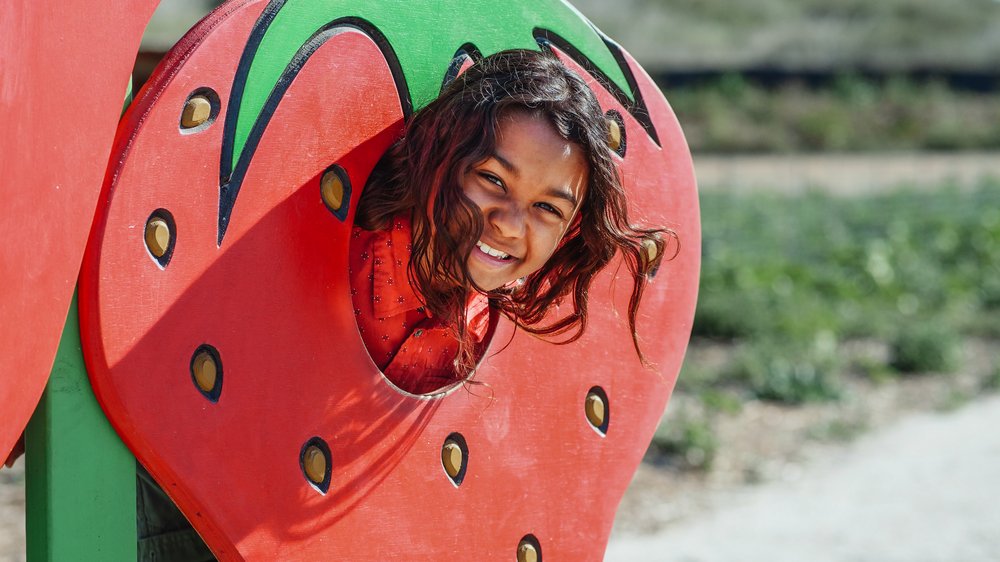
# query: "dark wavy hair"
[[420, 176]]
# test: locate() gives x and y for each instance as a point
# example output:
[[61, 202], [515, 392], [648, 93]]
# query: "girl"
[[501, 198]]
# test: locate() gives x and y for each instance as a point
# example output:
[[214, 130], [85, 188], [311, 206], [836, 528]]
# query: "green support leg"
[[80, 489]]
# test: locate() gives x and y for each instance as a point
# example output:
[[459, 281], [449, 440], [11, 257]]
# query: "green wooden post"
[[80, 477]]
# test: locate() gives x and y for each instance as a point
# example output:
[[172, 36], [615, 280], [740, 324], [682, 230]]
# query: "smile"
[[492, 252]]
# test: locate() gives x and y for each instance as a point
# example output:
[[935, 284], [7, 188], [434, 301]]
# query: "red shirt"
[[414, 350]]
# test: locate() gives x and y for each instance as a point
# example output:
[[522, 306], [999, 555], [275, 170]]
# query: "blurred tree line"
[[888, 35]]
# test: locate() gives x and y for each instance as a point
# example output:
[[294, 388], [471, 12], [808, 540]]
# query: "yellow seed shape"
[[332, 190], [315, 463], [614, 134], [157, 236], [651, 250], [595, 409], [451, 458], [197, 110], [526, 552], [205, 371]]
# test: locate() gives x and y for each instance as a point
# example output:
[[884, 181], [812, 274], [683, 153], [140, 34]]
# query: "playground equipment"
[[216, 321]]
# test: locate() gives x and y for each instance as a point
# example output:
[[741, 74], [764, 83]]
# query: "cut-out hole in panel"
[[651, 255], [455, 458], [160, 236], [617, 138], [201, 108], [529, 549], [597, 409], [206, 372], [316, 464], [335, 190]]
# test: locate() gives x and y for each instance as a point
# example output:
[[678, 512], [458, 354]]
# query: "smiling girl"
[[502, 197]]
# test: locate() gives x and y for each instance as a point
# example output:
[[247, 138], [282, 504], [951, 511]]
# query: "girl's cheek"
[[477, 195]]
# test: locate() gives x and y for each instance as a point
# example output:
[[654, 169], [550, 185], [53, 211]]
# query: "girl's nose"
[[508, 221]]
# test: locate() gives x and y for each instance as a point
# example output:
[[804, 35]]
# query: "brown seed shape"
[[451, 458], [595, 409], [205, 371], [651, 250], [197, 110], [332, 190], [526, 552], [157, 236], [315, 464], [614, 135]]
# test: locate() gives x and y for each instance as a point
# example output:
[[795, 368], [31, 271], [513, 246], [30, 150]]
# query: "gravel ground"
[[12, 513], [767, 442], [923, 489]]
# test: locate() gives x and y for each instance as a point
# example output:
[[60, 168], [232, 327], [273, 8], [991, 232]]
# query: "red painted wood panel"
[[64, 72], [274, 302]]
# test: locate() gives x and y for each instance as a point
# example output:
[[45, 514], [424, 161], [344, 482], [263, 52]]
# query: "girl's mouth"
[[492, 254]]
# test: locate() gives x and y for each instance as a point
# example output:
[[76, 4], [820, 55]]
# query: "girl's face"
[[529, 191]]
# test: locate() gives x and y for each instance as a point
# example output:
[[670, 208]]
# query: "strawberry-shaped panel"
[[234, 369], [62, 86]]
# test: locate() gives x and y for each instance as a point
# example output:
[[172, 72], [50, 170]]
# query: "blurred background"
[[840, 390]]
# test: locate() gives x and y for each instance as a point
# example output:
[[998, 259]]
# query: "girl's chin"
[[489, 279], [486, 283], [489, 272]]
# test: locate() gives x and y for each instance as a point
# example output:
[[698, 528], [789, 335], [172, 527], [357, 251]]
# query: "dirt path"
[[923, 489], [12, 514]]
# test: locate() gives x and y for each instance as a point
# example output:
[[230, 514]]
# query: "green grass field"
[[803, 273], [787, 281]]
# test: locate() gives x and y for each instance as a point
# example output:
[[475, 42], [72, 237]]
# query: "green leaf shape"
[[425, 34]]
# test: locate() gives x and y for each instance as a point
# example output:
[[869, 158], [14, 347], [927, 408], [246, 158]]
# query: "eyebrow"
[[552, 191], [507, 164], [562, 194]]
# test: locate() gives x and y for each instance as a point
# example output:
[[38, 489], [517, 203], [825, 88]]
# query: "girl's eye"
[[494, 180], [549, 209]]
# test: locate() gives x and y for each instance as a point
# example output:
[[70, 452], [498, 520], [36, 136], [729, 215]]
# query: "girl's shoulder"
[[394, 237]]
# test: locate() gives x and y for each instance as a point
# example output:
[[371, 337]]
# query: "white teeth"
[[495, 253]]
